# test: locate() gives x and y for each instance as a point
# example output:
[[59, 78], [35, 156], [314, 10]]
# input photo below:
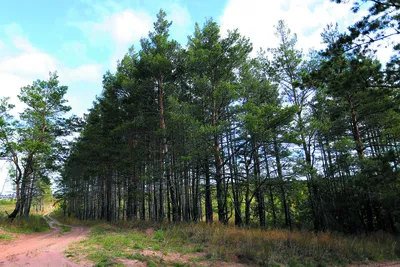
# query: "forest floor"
[[42, 249], [183, 245], [189, 244]]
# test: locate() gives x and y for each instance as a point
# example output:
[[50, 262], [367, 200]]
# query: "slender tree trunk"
[[208, 200], [286, 209]]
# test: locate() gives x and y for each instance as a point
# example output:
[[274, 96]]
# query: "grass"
[[149, 261], [196, 243], [65, 228], [71, 220], [5, 237], [6, 205], [288, 248], [31, 224]]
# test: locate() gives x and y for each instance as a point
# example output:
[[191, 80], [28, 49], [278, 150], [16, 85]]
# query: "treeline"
[[206, 132]]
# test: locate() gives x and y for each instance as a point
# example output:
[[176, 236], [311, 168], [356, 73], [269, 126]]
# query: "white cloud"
[[13, 29], [115, 28], [22, 44], [129, 26], [179, 15], [74, 47], [10, 86], [256, 19], [34, 64], [182, 25], [122, 27], [5, 183], [89, 73], [27, 63]]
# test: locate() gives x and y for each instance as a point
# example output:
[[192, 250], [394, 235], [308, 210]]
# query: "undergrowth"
[[202, 242], [286, 247], [65, 228], [31, 224], [5, 237], [6, 205], [71, 220]]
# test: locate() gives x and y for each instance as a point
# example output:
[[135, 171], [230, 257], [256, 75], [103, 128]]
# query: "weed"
[[5, 237], [107, 262], [142, 258], [180, 264], [137, 246], [65, 228], [4, 202], [151, 263], [159, 235], [136, 256], [31, 224]]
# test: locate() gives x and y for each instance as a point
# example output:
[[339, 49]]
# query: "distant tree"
[[28, 142]]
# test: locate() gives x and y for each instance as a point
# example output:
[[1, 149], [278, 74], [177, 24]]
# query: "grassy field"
[[216, 245], [34, 223]]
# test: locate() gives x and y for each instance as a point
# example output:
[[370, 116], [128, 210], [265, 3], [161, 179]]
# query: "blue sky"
[[60, 27], [82, 39]]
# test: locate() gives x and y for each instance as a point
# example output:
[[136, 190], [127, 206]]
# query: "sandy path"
[[42, 249]]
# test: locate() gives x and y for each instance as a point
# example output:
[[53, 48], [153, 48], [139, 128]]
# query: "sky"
[[82, 39]]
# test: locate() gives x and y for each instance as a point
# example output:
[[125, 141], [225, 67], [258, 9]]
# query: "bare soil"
[[42, 249]]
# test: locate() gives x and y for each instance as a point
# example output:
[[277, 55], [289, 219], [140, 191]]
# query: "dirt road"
[[42, 249]]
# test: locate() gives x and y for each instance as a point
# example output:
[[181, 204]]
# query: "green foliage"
[[159, 235], [65, 229], [32, 144], [381, 23], [283, 140], [6, 202], [5, 237]]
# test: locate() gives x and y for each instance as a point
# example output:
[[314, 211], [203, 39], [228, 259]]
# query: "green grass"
[[5, 237], [149, 260], [6, 202], [31, 224], [65, 228], [202, 242], [107, 242]]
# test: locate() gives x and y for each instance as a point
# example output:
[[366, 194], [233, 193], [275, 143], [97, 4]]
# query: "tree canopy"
[[206, 131]]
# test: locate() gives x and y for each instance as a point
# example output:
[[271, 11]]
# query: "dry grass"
[[218, 243], [6, 205], [288, 248], [72, 220]]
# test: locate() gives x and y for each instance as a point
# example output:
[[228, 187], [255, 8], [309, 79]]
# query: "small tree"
[[28, 143]]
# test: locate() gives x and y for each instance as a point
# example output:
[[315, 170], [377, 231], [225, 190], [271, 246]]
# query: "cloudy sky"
[[82, 39]]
